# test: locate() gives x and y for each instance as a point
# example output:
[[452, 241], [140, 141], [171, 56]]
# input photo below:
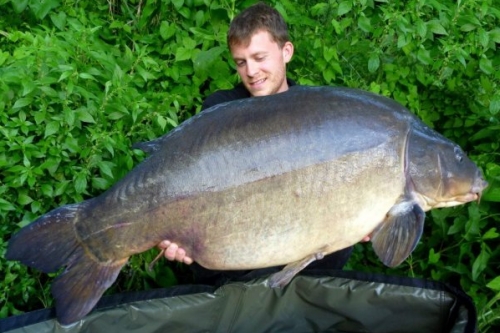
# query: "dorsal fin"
[[148, 147]]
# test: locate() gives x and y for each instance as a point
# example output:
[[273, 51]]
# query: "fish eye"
[[459, 155]]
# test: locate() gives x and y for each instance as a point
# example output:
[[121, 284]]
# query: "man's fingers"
[[171, 251], [182, 257], [179, 256], [164, 244]]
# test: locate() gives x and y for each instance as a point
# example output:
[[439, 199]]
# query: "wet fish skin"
[[283, 179]]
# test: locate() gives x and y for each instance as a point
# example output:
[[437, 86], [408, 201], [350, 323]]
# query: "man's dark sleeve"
[[222, 96], [238, 92]]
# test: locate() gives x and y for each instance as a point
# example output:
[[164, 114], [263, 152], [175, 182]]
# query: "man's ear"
[[287, 51]]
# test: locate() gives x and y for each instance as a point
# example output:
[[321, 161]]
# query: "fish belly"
[[284, 218]]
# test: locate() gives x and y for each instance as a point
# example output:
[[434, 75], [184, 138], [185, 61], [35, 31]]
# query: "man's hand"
[[173, 252]]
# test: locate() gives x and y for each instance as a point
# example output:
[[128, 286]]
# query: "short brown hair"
[[257, 18]]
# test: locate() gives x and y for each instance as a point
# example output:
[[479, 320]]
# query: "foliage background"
[[81, 81]]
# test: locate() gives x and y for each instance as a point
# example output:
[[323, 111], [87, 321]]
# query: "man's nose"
[[252, 68]]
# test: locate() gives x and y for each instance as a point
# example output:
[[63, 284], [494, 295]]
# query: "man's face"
[[262, 64]]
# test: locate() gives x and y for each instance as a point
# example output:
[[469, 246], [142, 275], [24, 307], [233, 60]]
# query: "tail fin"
[[47, 243], [50, 243], [81, 285]]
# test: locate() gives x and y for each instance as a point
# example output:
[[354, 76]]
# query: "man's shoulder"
[[221, 96], [238, 92]]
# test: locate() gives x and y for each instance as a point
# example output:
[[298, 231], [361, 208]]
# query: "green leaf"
[[365, 24], [492, 195], [433, 256], [100, 183], [36, 206], [468, 27], [495, 104], [202, 33], [373, 63], [178, 3], [319, 9], [481, 262], [183, 53], [491, 234], [69, 116], [146, 75], [105, 168], [51, 128], [59, 19], [117, 77], [28, 86], [3, 57], [43, 7], [64, 75], [483, 38], [329, 53], [24, 199], [80, 183], [328, 75], [47, 190], [115, 115], [494, 284], [424, 56], [495, 35], [205, 59], [49, 91], [167, 30], [436, 28], [162, 122], [19, 5], [85, 116], [421, 28], [5, 205], [402, 41], [22, 102], [344, 8], [486, 66], [61, 187], [87, 76]]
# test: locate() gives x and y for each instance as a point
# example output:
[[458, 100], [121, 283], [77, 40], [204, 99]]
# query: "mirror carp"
[[259, 182]]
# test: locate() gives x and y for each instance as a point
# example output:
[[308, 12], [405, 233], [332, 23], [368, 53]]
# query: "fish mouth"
[[478, 189], [474, 194], [454, 201]]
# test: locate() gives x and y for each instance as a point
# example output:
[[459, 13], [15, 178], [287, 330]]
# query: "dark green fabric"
[[308, 304]]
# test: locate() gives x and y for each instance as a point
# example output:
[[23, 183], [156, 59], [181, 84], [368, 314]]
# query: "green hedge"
[[81, 82]]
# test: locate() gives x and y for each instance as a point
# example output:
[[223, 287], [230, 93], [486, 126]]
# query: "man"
[[260, 46]]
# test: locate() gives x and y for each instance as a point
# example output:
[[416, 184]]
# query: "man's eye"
[[240, 63]]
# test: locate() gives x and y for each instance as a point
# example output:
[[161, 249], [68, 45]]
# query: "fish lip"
[[478, 200], [478, 189], [469, 197], [455, 201]]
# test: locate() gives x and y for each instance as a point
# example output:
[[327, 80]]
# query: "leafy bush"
[[80, 83]]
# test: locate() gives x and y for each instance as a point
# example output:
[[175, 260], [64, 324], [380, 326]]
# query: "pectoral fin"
[[398, 235]]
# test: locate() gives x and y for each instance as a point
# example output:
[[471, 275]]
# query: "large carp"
[[259, 182]]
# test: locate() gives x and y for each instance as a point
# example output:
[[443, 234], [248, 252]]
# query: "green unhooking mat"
[[321, 301]]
